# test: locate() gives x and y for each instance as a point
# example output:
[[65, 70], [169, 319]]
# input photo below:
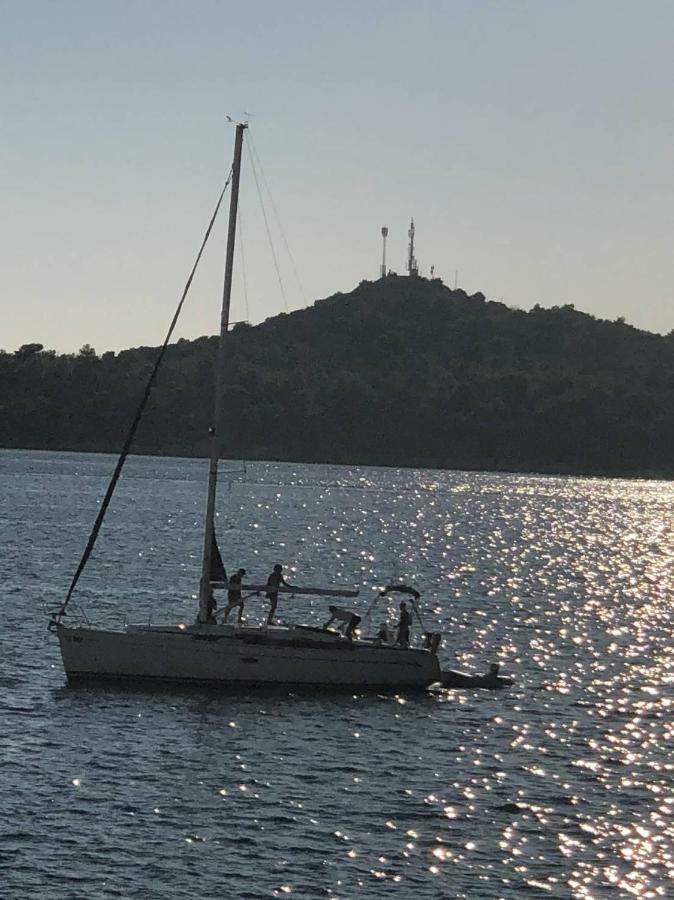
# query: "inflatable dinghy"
[[490, 681]]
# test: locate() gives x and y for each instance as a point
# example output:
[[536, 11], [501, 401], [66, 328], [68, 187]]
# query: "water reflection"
[[560, 787]]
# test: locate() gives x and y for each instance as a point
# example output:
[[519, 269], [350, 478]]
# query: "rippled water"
[[560, 787]]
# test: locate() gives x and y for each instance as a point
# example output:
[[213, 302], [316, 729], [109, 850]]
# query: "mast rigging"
[[216, 429], [126, 448]]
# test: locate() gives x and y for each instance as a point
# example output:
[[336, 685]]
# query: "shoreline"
[[550, 471]]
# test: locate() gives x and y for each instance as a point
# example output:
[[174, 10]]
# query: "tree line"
[[401, 371]]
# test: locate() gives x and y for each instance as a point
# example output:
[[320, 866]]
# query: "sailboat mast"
[[216, 429]]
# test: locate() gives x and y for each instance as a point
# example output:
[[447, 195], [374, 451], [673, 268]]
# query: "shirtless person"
[[234, 597], [275, 580]]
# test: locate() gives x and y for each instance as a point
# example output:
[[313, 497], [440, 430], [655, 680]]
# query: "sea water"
[[561, 786]]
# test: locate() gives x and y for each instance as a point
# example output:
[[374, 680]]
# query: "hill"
[[398, 372]]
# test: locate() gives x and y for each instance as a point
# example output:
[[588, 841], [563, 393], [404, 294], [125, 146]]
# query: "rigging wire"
[[245, 299], [254, 152], [266, 225], [243, 265], [139, 412]]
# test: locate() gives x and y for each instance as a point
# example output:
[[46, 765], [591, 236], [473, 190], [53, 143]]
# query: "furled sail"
[[218, 572]]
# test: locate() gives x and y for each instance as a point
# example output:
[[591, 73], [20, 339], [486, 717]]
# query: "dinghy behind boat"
[[491, 680]]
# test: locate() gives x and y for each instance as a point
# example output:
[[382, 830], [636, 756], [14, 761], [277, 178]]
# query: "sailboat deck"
[[286, 635]]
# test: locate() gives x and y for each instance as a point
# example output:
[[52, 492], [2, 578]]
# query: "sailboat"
[[219, 653]]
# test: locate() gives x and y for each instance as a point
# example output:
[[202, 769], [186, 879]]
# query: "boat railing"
[[77, 617]]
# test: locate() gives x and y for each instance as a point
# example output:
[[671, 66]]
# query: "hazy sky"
[[531, 141]]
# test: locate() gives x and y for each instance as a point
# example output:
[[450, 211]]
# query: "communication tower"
[[412, 267], [384, 235]]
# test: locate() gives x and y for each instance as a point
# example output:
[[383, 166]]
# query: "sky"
[[531, 141]]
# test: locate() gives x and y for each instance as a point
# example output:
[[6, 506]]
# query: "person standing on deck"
[[275, 580], [403, 638], [234, 597], [211, 607]]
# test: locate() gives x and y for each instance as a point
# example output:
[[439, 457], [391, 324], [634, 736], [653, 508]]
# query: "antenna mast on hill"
[[412, 267], [384, 235]]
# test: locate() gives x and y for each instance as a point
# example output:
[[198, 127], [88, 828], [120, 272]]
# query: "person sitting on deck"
[[234, 597], [403, 638], [349, 621], [384, 635], [275, 580]]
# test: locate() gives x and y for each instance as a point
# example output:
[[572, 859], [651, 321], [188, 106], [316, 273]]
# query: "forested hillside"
[[398, 372]]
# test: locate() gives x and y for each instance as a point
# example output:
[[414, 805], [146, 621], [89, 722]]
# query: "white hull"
[[228, 655]]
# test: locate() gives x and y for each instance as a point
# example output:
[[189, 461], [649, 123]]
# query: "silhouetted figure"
[[403, 638], [384, 636], [492, 678], [234, 596], [211, 607], [348, 620], [275, 580]]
